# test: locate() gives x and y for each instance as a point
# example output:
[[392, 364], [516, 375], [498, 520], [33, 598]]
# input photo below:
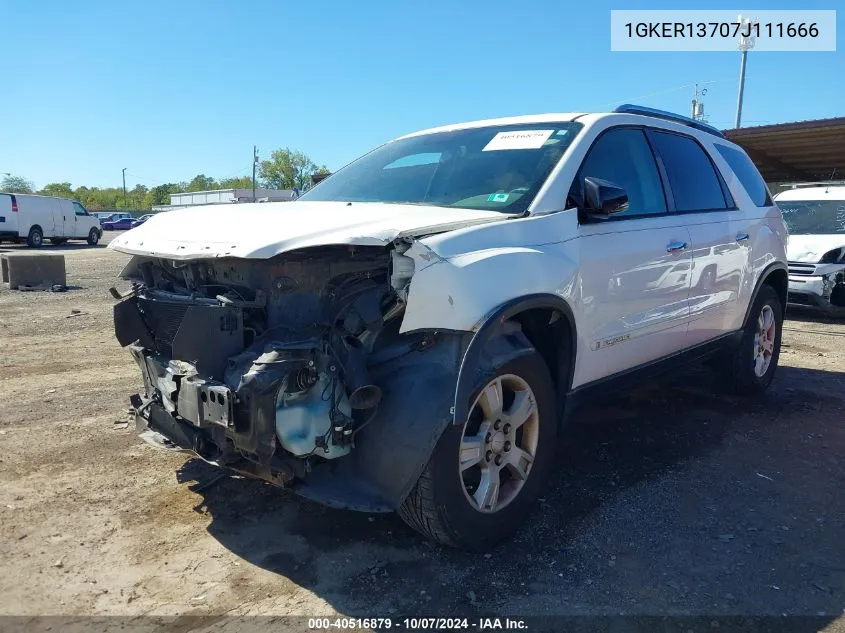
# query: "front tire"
[[751, 366], [485, 474], [35, 238], [93, 237]]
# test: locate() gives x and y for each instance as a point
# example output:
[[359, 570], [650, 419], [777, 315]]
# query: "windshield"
[[809, 217], [497, 168]]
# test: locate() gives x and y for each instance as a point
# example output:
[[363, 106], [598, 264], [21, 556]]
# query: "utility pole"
[[254, 165], [745, 44], [698, 104], [124, 187]]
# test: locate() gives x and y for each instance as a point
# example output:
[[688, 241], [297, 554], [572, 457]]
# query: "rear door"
[[8, 215], [699, 194], [634, 273]]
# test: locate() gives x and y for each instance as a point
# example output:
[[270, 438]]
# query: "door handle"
[[742, 237], [676, 247]]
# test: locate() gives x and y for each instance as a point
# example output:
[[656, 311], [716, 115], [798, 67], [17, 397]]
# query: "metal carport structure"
[[789, 152]]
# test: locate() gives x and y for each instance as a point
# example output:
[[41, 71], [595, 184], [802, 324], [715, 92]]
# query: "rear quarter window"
[[747, 174]]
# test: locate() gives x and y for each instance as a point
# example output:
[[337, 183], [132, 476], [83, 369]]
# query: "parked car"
[[30, 218], [118, 224], [814, 212], [409, 334], [141, 220], [112, 217]]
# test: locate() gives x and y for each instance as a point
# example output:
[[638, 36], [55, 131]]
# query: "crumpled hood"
[[262, 230], [811, 248]]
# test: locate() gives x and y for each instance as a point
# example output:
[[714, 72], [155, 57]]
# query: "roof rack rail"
[[817, 183], [629, 108]]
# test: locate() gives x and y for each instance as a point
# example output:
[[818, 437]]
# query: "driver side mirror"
[[602, 198]]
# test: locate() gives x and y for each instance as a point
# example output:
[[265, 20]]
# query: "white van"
[[33, 218]]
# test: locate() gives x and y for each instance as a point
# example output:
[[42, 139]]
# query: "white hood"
[[262, 230], [811, 248]]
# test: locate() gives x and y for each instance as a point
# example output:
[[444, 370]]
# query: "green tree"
[[15, 184], [201, 182], [136, 196], [161, 195], [58, 189], [242, 182], [287, 169], [95, 198]]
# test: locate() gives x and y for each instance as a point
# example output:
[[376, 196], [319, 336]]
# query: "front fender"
[[460, 293], [393, 448]]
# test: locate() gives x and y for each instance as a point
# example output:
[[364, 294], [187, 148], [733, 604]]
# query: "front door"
[[82, 221], [635, 266]]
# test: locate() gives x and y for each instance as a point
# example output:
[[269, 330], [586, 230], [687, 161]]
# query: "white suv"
[[409, 334], [815, 215]]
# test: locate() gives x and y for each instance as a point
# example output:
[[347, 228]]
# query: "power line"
[[156, 183], [658, 93]]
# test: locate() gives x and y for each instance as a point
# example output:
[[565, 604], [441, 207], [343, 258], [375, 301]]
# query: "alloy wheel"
[[499, 443], [764, 341]]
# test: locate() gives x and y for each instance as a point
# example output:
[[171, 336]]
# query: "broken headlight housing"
[[833, 288]]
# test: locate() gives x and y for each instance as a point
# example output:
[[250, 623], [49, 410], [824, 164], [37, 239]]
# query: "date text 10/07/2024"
[[721, 29], [419, 624]]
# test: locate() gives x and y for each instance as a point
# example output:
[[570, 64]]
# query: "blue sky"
[[172, 89]]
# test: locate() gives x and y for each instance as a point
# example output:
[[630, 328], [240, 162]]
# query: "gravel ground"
[[668, 501]]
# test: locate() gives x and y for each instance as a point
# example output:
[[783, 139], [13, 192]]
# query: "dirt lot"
[[668, 501]]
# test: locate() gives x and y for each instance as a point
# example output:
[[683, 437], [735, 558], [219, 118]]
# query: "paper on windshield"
[[518, 139]]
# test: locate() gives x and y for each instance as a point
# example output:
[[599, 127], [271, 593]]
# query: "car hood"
[[811, 248], [262, 230]]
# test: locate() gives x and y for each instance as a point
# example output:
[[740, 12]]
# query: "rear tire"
[[35, 238], [93, 237], [750, 368], [444, 504]]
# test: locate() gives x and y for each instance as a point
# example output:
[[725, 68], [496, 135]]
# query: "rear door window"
[[692, 177]]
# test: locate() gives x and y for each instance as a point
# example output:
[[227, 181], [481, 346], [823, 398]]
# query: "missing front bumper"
[[158, 428]]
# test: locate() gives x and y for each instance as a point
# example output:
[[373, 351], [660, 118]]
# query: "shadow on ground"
[[799, 314], [47, 247], [364, 564]]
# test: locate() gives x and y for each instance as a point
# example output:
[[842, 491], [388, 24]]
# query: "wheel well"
[[779, 281], [552, 335], [36, 226]]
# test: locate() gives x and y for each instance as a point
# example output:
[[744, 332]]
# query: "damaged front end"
[[291, 369], [819, 284]]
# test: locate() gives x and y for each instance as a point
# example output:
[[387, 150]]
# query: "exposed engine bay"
[[266, 366]]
